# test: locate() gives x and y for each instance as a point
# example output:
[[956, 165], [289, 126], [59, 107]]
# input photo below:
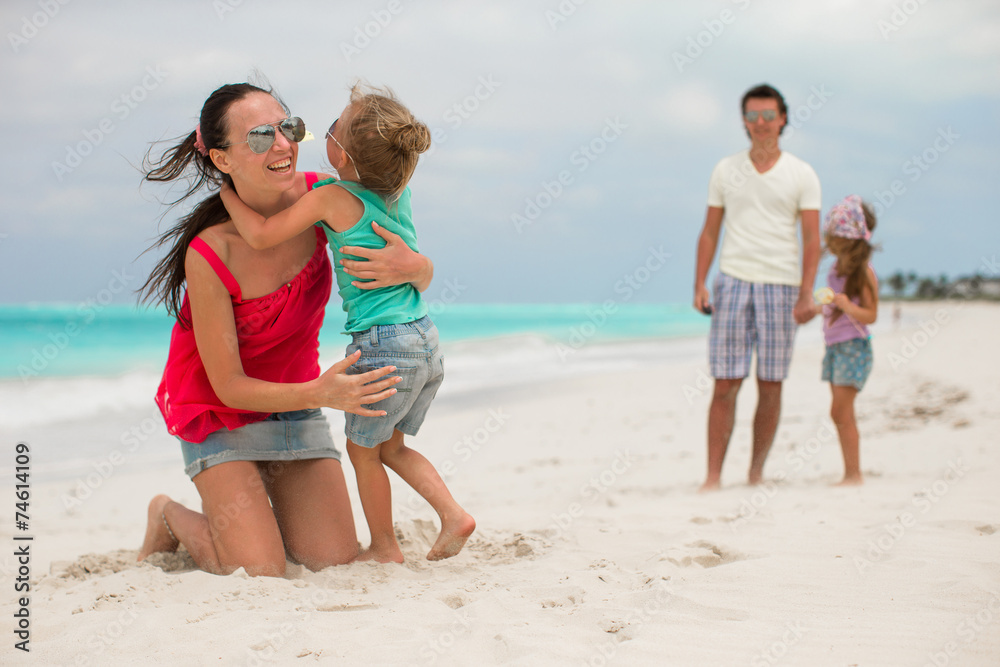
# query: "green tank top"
[[396, 304]]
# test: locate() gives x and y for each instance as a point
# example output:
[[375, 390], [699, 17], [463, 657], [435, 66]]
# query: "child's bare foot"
[[851, 480], [157, 538], [381, 555], [454, 534]]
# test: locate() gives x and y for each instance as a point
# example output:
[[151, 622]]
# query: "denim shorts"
[[413, 349], [848, 364], [747, 316], [282, 436]]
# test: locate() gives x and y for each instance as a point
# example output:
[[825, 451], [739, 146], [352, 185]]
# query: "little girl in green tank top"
[[374, 146]]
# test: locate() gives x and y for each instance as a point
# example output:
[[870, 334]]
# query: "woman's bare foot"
[[157, 538], [851, 480], [454, 534], [709, 486]]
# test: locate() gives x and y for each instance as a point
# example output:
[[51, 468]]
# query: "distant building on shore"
[[912, 286], [975, 287]]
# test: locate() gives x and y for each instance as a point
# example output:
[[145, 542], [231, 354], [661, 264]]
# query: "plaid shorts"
[[748, 315]]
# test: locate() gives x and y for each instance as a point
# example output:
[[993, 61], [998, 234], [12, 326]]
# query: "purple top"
[[845, 327]]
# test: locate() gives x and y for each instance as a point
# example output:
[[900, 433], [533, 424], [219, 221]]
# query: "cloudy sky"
[[574, 139]]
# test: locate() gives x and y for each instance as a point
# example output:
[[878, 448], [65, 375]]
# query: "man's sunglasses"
[[768, 114], [261, 138]]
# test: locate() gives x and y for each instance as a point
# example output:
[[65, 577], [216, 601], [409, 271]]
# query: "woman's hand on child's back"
[[350, 393], [395, 264]]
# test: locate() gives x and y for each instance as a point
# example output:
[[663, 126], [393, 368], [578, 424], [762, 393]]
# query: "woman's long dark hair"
[[184, 161]]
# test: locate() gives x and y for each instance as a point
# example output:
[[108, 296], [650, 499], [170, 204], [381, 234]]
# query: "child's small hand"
[[841, 301]]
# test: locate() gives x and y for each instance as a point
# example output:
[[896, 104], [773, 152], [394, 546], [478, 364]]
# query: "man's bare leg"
[[765, 425], [721, 417]]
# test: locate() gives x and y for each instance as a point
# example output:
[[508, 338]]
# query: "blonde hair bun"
[[413, 136], [384, 140]]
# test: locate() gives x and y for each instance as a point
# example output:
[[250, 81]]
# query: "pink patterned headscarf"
[[199, 143], [847, 220]]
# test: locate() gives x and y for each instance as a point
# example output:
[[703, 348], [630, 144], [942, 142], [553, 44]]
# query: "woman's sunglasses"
[[261, 138]]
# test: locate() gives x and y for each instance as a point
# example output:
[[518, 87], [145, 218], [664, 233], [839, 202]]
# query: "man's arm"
[[707, 243], [804, 310]]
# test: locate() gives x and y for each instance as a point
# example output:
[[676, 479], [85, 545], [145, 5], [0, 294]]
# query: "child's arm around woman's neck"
[[336, 207]]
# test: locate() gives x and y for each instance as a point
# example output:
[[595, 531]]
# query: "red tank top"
[[278, 338]]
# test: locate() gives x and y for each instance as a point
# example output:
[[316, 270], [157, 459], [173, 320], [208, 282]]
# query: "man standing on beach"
[[761, 294]]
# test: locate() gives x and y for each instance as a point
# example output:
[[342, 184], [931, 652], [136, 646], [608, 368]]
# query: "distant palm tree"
[[942, 286], [926, 289], [897, 283]]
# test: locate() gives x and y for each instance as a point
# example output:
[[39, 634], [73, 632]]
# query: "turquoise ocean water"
[[59, 340]]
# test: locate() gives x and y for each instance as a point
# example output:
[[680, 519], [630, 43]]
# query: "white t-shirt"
[[761, 219]]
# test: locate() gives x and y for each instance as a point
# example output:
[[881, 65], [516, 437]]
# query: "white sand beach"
[[593, 546]]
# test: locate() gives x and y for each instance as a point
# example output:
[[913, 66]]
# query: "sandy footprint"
[[95, 565], [508, 548], [702, 553]]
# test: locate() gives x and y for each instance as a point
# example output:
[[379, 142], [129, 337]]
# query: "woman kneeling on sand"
[[242, 387]]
